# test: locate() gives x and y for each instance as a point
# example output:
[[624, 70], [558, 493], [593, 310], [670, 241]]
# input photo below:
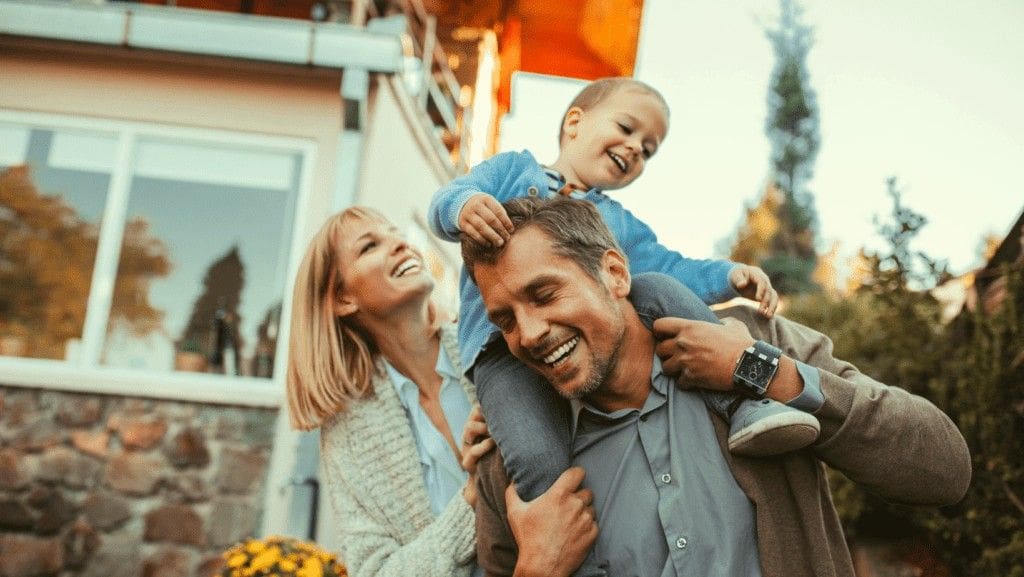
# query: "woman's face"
[[380, 270]]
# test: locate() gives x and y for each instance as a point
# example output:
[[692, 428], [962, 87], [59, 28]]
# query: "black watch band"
[[755, 369]]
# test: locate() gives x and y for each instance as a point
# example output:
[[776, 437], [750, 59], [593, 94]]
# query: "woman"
[[373, 366]]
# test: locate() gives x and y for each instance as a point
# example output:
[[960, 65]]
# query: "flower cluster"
[[280, 557]]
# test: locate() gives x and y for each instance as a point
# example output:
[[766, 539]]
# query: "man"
[[668, 496]]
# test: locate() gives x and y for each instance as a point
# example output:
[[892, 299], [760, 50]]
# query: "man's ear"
[[343, 306], [616, 270], [571, 122]]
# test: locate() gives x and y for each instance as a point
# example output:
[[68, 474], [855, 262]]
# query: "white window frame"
[[86, 375]]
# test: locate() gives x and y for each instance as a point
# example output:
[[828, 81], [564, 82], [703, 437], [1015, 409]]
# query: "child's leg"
[[756, 428], [529, 421]]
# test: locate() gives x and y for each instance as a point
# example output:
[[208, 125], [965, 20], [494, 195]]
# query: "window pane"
[[204, 258], [53, 190]]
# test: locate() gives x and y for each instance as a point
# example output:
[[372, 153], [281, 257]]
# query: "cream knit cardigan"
[[371, 470]]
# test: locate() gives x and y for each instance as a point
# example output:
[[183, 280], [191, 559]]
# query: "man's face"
[[555, 317]]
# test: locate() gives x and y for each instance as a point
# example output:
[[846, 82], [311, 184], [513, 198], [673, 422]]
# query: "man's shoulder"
[[779, 330]]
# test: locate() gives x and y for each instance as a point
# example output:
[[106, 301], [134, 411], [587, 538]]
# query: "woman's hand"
[[476, 441]]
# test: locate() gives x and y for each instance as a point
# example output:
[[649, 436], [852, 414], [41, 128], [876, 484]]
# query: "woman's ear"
[[571, 122], [343, 306]]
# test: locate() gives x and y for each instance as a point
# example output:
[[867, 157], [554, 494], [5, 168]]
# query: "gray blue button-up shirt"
[[667, 503]]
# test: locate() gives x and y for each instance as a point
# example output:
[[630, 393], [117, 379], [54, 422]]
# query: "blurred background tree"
[[779, 234], [215, 317], [47, 254], [972, 368]]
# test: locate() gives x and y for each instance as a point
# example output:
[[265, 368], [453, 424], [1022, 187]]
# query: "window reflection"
[[202, 260], [224, 215], [53, 189]]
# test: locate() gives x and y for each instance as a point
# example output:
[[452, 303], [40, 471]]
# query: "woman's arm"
[[370, 547]]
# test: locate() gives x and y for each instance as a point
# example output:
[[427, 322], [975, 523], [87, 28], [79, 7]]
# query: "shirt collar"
[[407, 390], [659, 382], [558, 184]]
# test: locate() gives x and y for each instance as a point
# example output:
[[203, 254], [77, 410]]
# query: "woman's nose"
[[398, 243]]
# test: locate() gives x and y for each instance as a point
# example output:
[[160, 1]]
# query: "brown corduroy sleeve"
[[496, 548]]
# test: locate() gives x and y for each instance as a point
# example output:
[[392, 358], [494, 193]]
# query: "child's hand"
[[752, 282], [485, 221]]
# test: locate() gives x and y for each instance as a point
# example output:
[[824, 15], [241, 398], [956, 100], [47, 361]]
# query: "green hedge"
[[973, 369]]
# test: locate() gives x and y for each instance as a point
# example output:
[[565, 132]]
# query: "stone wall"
[[108, 486]]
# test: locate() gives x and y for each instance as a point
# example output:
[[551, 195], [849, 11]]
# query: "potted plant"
[[190, 357], [283, 556]]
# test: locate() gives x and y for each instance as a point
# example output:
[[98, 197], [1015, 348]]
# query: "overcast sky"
[[928, 91]]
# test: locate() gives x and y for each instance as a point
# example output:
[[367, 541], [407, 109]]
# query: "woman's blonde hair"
[[331, 361]]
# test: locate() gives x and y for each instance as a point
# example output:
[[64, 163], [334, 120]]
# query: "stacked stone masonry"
[[107, 486]]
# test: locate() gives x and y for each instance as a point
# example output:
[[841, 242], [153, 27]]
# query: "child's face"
[[608, 146]]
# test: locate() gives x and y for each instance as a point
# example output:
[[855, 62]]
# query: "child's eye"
[[648, 152], [625, 128]]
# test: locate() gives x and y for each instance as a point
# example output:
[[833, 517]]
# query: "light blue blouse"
[[442, 472]]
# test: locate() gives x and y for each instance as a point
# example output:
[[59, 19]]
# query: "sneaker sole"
[[775, 435]]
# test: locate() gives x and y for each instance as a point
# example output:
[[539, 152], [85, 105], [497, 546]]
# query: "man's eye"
[[504, 324], [545, 297]]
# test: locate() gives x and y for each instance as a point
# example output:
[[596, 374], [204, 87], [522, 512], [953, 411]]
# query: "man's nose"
[[532, 331]]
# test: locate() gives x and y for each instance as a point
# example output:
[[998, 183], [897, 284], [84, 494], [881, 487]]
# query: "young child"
[[609, 132]]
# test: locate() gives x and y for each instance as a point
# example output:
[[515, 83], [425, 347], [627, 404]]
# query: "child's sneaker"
[[764, 428]]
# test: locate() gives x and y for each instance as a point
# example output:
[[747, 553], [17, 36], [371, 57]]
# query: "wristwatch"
[[755, 369]]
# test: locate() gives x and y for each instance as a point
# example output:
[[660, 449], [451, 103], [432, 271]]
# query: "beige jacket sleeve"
[[385, 524]]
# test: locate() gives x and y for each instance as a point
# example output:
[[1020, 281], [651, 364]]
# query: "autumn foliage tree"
[[47, 256]]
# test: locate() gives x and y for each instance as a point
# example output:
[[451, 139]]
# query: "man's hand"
[[476, 441], [701, 351], [484, 220], [752, 283], [555, 531]]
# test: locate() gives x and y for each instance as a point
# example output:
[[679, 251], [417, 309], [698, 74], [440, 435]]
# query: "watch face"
[[752, 369]]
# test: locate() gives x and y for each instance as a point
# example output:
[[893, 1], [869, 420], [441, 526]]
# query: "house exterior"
[[162, 167]]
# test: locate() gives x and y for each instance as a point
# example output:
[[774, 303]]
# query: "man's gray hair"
[[575, 227]]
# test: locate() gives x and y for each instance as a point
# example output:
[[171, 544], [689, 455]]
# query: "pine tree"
[[789, 257], [221, 296]]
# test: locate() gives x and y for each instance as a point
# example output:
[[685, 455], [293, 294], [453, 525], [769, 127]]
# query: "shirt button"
[[666, 478], [532, 191], [681, 543]]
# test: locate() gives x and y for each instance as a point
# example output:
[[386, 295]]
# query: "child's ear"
[[571, 123]]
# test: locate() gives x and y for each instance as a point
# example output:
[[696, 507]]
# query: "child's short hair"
[[595, 92]]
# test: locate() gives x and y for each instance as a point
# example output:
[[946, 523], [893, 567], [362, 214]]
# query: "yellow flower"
[[277, 556], [265, 559], [237, 560], [311, 567]]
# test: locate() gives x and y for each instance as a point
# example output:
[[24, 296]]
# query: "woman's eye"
[[366, 247]]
